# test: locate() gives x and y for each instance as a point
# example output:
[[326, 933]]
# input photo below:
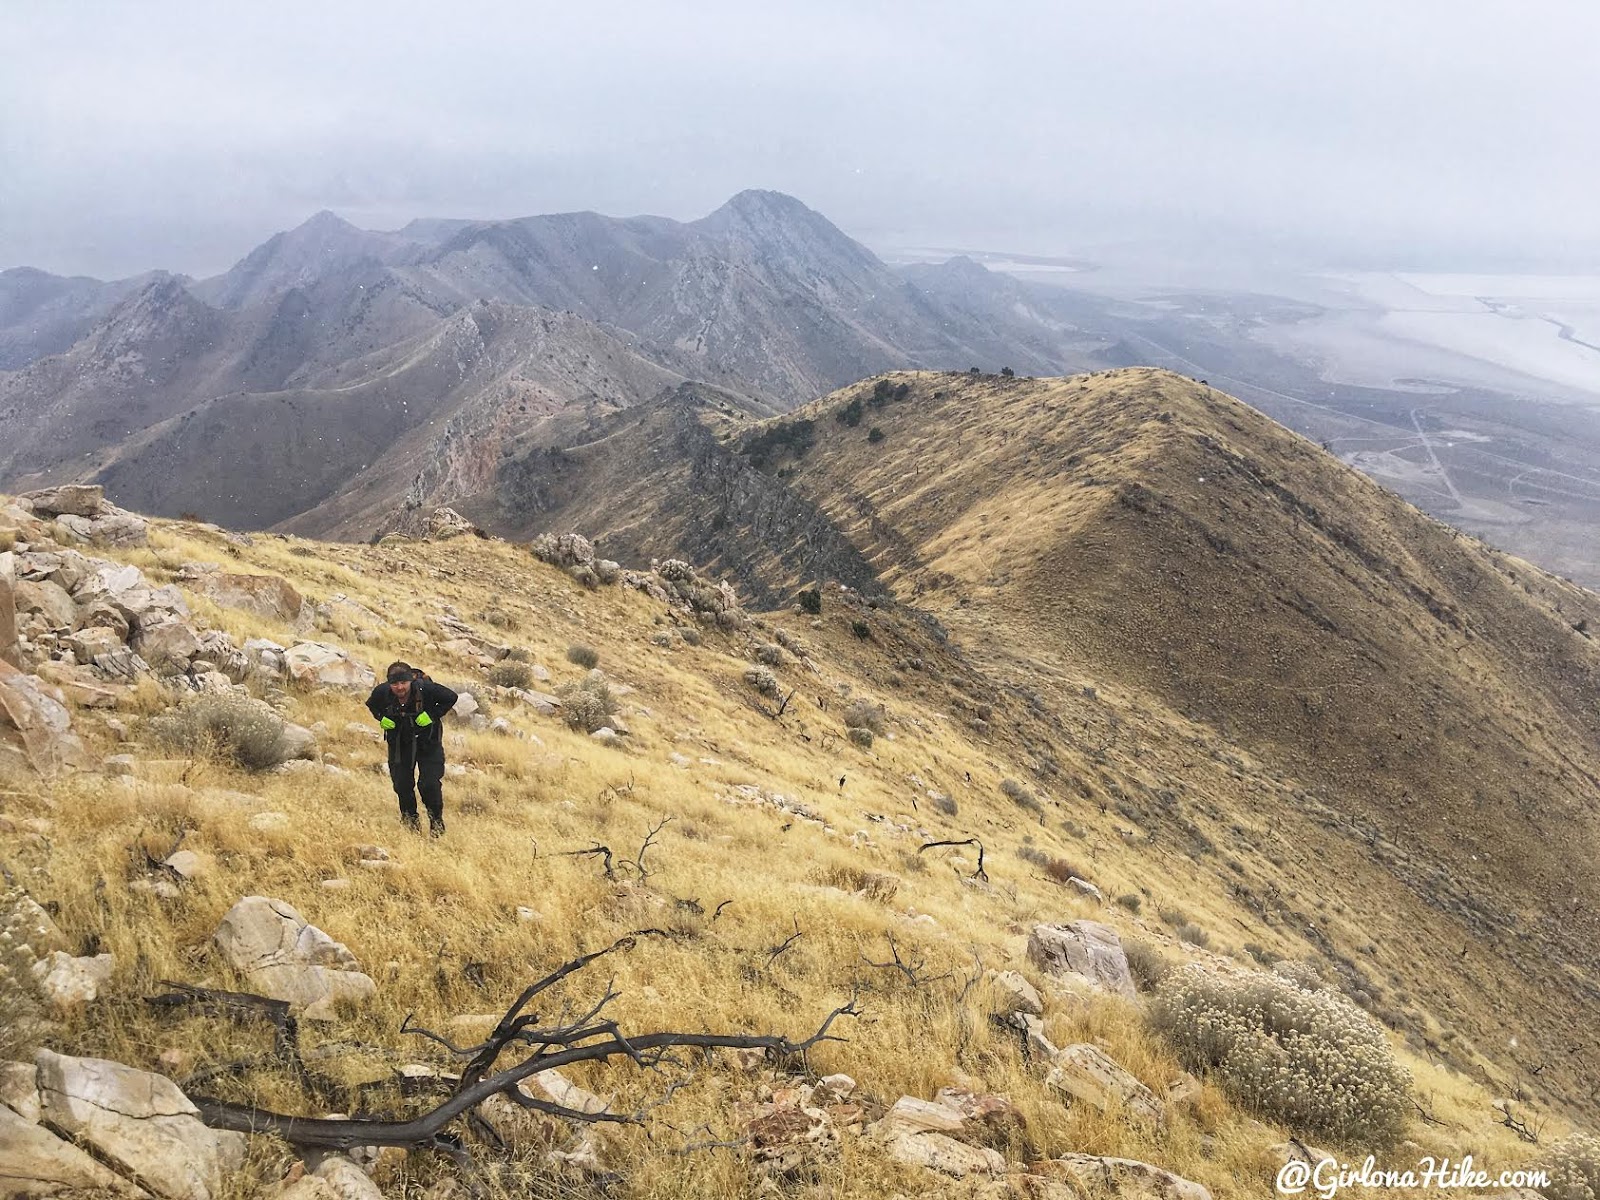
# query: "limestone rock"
[[72, 499], [1016, 995], [1086, 950], [1123, 1178], [34, 1162], [167, 644], [19, 1090], [347, 1181], [69, 982], [48, 600], [35, 725], [913, 1116], [270, 597], [140, 1121], [286, 957], [942, 1153], [1086, 1073], [323, 665]]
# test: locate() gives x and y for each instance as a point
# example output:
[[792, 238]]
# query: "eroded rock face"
[[139, 1121], [1085, 950], [286, 957]]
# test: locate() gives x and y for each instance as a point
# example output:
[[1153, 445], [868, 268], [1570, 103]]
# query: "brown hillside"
[[1139, 529]]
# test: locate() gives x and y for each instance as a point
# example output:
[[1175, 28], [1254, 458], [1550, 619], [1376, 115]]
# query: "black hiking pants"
[[414, 769]]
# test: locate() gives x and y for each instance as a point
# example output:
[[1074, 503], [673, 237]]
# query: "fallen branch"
[[980, 873], [910, 970]]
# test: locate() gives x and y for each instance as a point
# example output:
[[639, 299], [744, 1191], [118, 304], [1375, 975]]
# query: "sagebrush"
[[228, 725], [1573, 1165], [1311, 1060]]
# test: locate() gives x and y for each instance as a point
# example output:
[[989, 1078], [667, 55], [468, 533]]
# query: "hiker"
[[411, 709]]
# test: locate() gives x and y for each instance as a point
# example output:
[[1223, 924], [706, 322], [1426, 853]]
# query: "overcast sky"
[[1406, 132]]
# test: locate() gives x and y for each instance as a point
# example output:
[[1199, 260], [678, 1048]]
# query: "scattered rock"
[[1016, 995], [188, 863], [323, 665], [347, 1181], [69, 982], [834, 1089], [140, 1121], [35, 725], [1123, 1178], [286, 957], [1087, 1074], [267, 596], [71, 499], [1086, 950]]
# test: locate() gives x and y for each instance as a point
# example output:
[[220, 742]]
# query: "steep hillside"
[[1411, 713], [753, 869], [1435, 698]]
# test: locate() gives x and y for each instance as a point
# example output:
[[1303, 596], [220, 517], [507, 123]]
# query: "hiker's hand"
[[423, 720], [386, 722]]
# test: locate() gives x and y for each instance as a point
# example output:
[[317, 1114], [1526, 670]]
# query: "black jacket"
[[426, 696]]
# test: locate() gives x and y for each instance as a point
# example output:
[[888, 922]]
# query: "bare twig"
[[783, 945], [911, 970], [603, 851]]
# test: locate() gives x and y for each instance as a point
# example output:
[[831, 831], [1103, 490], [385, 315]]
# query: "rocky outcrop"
[[446, 523], [1082, 950], [286, 957], [81, 513], [921, 1133], [139, 1122]]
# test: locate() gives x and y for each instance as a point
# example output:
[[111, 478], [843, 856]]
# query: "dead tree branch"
[[911, 970], [980, 873]]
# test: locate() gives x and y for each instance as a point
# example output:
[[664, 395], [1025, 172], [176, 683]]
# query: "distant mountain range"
[[336, 374]]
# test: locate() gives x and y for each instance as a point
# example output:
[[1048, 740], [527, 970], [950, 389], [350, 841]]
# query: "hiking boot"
[[411, 821], [435, 826]]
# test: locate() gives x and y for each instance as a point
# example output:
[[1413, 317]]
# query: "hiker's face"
[[401, 688]]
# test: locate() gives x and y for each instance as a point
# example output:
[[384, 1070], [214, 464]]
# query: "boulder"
[[49, 600], [71, 499], [1084, 950], [140, 1122], [116, 527], [269, 597], [168, 645], [35, 1162], [35, 726], [322, 665], [942, 1153], [1122, 1178], [89, 644], [286, 957], [1086, 1073], [1015, 994], [69, 982]]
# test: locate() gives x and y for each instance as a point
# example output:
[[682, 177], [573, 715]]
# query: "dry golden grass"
[[441, 934]]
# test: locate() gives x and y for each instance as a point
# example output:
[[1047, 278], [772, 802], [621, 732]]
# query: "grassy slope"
[[523, 802]]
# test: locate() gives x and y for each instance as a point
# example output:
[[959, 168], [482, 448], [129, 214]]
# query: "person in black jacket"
[[411, 709]]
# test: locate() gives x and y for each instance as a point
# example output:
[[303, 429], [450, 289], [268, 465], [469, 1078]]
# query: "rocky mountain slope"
[[1413, 709], [981, 803], [764, 299]]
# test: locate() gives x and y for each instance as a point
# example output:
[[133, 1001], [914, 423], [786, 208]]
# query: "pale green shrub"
[[1311, 1060], [228, 725]]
